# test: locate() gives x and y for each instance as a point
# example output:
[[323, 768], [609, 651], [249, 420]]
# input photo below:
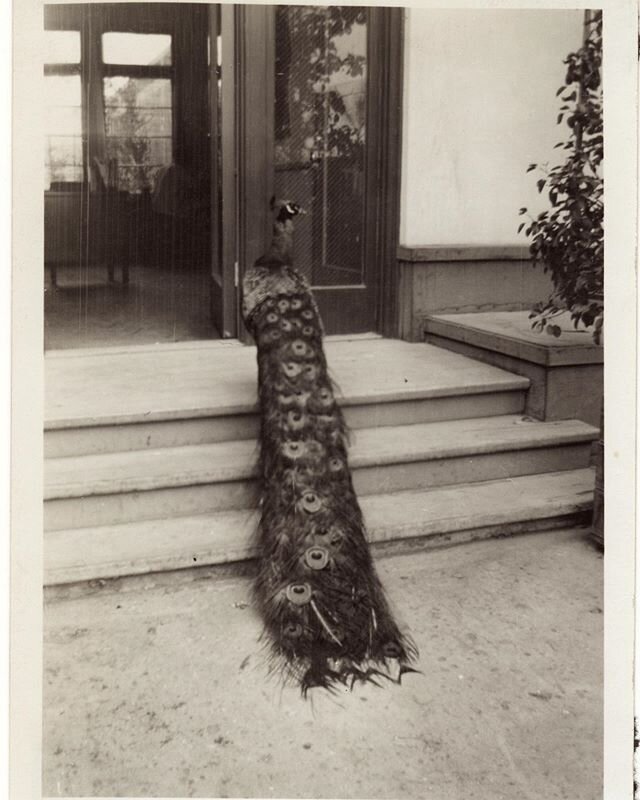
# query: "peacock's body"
[[322, 603]]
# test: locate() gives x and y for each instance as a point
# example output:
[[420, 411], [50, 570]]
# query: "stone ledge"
[[471, 252], [510, 333]]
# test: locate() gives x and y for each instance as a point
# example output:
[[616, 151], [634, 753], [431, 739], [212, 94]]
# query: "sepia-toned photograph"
[[322, 298]]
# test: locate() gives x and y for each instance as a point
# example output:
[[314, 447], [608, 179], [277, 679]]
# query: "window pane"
[[63, 133], [142, 92], [320, 112], [138, 117], [143, 122], [136, 48], [64, 151], [64, 121], [62, 47]]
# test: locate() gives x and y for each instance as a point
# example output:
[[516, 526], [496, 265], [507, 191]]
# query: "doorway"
[[320, 108], [169, 127]]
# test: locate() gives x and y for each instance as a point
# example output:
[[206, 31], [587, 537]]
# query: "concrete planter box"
[[566, 373]]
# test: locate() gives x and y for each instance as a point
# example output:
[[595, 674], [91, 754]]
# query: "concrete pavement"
[[156, 687]]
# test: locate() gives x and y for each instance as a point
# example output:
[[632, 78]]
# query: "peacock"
[[326, 618]]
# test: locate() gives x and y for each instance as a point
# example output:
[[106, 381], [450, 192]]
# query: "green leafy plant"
[[569, 238]]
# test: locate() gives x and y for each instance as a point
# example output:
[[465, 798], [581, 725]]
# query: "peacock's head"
[[285, 209]]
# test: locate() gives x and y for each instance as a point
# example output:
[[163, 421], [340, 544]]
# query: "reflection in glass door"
[[320, 133], [320, 142]]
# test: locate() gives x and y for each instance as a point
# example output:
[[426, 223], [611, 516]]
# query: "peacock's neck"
[[282, 242]]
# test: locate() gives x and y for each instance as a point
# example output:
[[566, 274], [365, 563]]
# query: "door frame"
[[386, 125], [222, 108], [245, 140], [248, 145]]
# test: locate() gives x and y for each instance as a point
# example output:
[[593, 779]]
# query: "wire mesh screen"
[[320, 136]]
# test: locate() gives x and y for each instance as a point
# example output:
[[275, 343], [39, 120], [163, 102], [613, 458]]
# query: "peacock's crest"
[[285, 209]]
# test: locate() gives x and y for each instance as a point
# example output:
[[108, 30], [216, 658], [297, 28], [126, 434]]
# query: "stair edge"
[[575, 504], [579, 433]]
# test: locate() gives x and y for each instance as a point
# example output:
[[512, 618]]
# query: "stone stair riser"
[[85, 440], [77, 512], [434, 409], [421, 539], [395, 522], [469, 469], [127, 437], [111, 509]]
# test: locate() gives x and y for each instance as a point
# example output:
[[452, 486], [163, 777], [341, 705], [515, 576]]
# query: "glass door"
[[320, 153], [131, 152], [319, 100]]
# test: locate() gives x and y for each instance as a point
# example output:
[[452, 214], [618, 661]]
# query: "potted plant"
[[568, 239]]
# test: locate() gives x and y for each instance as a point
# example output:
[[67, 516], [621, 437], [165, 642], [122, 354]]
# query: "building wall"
[[479, 106]]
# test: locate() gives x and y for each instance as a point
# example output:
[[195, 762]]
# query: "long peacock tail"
[[323, 606]]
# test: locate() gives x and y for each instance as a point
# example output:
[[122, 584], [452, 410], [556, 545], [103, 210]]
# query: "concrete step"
[[422, 518], [147, 398], [191, 430], [172, 482]]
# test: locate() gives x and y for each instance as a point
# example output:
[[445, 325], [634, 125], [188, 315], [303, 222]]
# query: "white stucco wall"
[[479, 106]]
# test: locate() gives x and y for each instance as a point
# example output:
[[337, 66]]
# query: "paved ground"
[[159, 690]]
